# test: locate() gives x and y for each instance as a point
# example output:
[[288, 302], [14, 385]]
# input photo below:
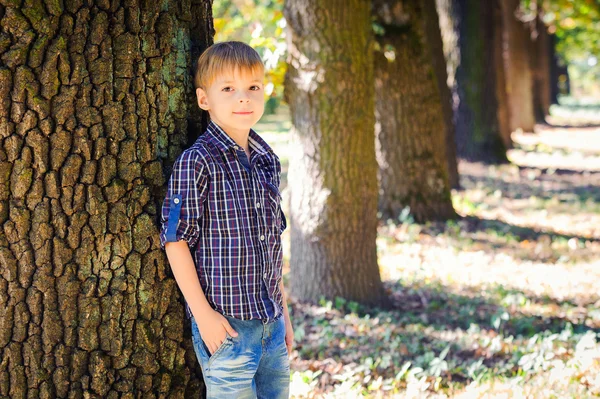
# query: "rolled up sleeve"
[[184, 202]]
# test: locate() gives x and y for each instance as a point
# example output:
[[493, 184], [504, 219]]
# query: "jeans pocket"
[[200, 345], [226, 343]]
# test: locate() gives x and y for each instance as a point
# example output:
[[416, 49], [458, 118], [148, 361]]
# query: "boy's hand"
[[289, 335], [213, 327]]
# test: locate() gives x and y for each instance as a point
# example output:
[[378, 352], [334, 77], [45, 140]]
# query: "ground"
[[501, 303]]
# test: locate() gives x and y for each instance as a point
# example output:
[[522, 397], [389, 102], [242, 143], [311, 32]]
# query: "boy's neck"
[[240, 138]]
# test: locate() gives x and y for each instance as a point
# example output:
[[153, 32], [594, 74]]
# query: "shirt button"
[[176, 200], [262, 237], [258, 204], [265, 275], [235, 147]]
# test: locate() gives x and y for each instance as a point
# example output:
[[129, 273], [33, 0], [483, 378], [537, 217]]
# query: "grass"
[[502, 303]]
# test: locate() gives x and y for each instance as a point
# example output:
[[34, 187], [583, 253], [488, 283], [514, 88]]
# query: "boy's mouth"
[[243, 112]]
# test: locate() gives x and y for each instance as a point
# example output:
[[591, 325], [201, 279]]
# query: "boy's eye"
[[227, 88], [255, 87]]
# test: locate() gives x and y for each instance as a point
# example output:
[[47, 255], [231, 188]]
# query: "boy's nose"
[[243, 97]]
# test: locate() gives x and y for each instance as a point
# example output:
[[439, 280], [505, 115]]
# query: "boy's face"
[[235, 100]]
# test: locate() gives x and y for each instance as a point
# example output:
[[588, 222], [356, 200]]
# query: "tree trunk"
[[544, 78], [93, 102], [554, 68], [410, 126], [501, 94], [468, 33], [333, 172], [564, 82], [559, 73], [436, 47], [519, 81], [540, 67]]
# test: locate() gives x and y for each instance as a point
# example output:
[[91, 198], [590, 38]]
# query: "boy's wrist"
[[201, 311]]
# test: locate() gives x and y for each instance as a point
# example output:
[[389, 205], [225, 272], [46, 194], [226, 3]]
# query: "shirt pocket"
[[273, 201], [224, 218]]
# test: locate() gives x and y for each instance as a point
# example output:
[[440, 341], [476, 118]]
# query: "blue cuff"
[[174, 213]]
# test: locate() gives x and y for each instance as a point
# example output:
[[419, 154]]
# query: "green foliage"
[[261, 24], [576, 24], [393, 351]]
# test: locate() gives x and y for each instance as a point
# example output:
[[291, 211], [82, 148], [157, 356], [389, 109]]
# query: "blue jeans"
[[254, 364]]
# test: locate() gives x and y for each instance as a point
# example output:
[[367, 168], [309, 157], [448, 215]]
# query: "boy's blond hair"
[[226, 56]]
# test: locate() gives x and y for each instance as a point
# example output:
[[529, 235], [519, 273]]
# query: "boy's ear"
[[202, 99]]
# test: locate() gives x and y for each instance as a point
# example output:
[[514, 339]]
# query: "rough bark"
[[467, 28], [436, 48], [333, 171], [519, 81], [94, 101], [411, 127]]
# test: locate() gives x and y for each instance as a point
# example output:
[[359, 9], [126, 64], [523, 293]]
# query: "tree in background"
[[555, 68], [94, 99], [333, 172], [410, 122], [467, 28], [517, 66], [436, 48], [499, 65], [539, 57], [574, 27]]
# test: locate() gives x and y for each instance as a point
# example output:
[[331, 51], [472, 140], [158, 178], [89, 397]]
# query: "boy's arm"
[[212, 324], [289, 330], [184, 271], [182, 207]]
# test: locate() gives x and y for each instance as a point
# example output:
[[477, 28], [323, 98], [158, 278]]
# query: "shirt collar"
[[224, 142]]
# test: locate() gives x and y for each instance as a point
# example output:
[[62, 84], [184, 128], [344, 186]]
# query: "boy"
[[221, 228]]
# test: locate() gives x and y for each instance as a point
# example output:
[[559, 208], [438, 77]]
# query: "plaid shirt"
[[229, 212]]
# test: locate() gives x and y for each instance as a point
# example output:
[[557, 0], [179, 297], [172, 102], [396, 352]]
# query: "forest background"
[[440, 178]]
